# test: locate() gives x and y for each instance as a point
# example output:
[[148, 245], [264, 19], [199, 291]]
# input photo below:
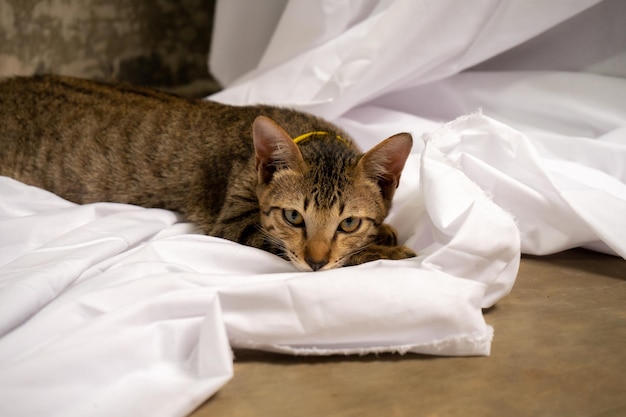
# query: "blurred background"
[[162, 43]]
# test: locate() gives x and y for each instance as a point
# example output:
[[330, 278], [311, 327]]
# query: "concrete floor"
[[559, 350]]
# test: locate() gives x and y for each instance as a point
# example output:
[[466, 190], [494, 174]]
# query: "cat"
[[273, 178]]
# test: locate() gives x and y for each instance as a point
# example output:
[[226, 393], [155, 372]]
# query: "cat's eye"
[[293, 217], [349, 225]]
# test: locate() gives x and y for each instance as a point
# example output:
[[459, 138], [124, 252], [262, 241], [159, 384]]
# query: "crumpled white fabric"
[[109, 309], [330, 56]]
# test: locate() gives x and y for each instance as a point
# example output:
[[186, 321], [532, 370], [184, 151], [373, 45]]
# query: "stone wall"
[[145, 42]]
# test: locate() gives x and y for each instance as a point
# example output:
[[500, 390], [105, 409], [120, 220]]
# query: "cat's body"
[[320, 203]]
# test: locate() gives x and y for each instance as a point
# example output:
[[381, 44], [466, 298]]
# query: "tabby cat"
[[272, 178]]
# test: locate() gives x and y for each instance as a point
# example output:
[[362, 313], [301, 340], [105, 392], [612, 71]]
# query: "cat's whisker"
[[352, 253], [279, 246]]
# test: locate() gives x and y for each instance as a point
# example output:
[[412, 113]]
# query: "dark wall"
[[145, 42]]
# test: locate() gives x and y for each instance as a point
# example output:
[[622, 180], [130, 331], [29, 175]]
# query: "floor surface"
[[559, 350]]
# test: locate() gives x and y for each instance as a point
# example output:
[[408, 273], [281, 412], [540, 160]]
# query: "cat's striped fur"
[[234, 171]]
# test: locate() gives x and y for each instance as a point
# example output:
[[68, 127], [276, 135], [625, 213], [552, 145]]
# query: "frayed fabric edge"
[[475, 344]]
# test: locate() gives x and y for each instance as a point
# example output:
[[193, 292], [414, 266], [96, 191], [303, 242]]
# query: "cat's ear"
[[384, 162], [274, 149]]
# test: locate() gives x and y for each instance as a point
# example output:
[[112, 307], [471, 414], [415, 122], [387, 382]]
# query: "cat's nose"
[[316, 265], [317, 254]]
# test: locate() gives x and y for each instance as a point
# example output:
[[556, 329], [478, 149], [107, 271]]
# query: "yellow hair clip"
[[304, 137]]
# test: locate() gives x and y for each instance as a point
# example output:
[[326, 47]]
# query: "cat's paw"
[[397, 252], [376, 252]]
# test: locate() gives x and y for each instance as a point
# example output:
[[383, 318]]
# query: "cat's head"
[[324, 201]]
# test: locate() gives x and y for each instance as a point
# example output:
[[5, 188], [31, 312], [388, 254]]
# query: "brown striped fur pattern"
[[234, 171]]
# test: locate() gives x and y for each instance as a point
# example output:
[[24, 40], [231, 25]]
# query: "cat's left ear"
[[274, 149], [384, 162]]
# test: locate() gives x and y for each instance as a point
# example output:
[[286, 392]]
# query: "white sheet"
[[109, 309]]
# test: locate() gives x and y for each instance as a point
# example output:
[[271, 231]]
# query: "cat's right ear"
[[274, 149]]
